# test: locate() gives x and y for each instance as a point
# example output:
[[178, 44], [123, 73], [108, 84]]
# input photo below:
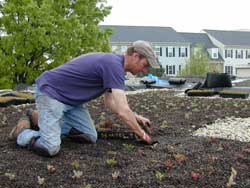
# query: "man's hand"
[[117, 102], [144, 123], [146, 138]]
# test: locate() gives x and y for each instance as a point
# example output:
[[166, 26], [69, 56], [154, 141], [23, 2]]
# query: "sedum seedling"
[[111, 162], [159, 175], [40, 180], [128, 147], [77, 174], [10, 176], [75, 164], [115, 175], [51, 168]]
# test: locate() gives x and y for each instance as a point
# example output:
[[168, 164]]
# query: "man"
[[61, 95]]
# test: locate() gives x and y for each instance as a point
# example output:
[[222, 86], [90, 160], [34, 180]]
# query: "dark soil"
[[179, 160]]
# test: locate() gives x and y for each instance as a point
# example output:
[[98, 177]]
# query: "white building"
[[170, 47], [228, 51], [234, 47]]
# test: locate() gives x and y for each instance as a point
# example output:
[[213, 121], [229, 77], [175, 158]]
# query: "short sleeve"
[[113, 75]]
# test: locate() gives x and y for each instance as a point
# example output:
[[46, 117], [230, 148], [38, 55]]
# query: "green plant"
[[159, 175], [128, 147], [40, 180], [111, 162], [11, 176], [164, 124], [198, 63], [75, 164], [77, 174], [115, 175], [40, 35]]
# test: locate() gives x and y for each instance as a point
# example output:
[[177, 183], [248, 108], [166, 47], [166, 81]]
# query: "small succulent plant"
[[159, 175], [111, 162], [128, 147]]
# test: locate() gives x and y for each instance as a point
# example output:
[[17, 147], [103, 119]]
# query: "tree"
[[37, 35], [198, 63]]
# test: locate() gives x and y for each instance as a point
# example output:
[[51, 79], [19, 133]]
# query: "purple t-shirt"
[[83, 78]]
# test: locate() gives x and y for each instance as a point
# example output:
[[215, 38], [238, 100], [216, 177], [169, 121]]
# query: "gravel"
[[229, 128]]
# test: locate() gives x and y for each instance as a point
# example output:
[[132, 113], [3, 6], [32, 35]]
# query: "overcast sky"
[[182, 15]]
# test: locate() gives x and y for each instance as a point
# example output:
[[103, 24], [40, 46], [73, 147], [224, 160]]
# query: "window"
[[229, 70], [170, 52], [179, 68], [228, 53], [215, 55], [170, 69], [182, 52], [239, 54], [158, 51], [247, 54]]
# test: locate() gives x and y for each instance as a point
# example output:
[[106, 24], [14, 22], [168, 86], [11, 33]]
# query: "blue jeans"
[[55, 120]]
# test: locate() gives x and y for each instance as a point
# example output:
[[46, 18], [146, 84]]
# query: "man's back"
[[83, 78]]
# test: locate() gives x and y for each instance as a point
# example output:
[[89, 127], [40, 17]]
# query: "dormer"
[[213, 53]]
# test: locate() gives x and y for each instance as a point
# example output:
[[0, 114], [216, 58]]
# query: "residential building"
[[215, 60], [228, 51], [234, 48], [171, 49]]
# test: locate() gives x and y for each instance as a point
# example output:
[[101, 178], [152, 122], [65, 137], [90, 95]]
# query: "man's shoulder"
[[110, 59]]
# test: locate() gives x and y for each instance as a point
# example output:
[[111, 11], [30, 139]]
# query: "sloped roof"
[[148, 33], [198, 38], [234, 38]]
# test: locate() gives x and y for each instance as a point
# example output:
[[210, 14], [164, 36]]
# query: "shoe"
[[79, 137], [33, 117], [23, 123]]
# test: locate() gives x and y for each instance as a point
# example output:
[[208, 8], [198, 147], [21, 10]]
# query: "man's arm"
[[116, 100]]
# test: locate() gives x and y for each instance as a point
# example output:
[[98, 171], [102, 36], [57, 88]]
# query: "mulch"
[[178, 160]]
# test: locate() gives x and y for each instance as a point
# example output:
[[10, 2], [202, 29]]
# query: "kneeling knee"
[[54, 150], [41, 149], [93, 138]]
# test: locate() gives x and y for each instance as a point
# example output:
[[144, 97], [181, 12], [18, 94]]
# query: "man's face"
[[140, 64]]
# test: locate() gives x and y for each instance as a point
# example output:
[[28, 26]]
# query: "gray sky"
[[182, 15]]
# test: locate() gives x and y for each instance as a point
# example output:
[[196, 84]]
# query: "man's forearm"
[[129, 118], [117, 102]]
